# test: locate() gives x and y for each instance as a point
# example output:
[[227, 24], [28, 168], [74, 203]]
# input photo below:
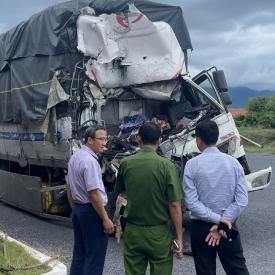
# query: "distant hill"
[[240, 95]]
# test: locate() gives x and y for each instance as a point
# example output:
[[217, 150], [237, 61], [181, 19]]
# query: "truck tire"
[[242, 160]]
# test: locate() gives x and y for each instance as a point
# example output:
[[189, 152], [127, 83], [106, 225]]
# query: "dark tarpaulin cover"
[[31, 52]]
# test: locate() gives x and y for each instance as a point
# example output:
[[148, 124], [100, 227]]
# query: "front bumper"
[[259, 180]]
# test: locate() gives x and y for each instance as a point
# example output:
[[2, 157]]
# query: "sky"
[[236, 36]]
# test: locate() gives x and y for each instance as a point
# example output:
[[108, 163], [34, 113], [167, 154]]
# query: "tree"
[[251, 119], [266, 120], [270, 107], [258, 104]]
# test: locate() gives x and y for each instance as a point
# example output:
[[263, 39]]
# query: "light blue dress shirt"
[[84, 175], [214, 185]]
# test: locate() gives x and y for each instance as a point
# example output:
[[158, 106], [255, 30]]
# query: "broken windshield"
[[204, 82]]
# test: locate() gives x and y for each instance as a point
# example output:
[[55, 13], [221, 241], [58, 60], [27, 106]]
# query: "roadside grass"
[[19, 258], [266, 137]]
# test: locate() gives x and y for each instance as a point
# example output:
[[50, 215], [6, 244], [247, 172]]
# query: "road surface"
[[257, 227]]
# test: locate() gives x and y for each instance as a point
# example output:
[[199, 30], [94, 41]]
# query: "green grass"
[[18, 257], [265, 137]]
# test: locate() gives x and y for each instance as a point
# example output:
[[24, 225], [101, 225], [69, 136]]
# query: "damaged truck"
[[82, 63]]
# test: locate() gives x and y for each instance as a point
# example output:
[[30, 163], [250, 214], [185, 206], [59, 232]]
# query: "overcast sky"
[[236, 36]]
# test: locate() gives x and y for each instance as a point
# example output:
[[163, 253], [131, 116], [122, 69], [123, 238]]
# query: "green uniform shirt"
[[150, 182]]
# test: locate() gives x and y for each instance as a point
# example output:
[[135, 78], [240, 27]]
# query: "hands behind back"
[[214, 235]]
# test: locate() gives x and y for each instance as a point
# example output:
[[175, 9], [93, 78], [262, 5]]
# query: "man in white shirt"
[[215, 192]]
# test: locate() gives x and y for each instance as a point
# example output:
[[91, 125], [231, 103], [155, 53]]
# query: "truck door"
[[205, 81]]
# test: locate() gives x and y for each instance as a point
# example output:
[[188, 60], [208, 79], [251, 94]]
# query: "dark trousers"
[[230, 253], [90, 242]]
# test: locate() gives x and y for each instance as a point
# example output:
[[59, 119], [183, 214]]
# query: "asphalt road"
[[257, 227]]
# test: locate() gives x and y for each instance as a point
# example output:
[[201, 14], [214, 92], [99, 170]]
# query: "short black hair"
[[149, 133], [91, 131], [208, 131]]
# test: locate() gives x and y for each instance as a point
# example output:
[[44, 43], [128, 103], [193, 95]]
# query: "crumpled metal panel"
[[158, 91], [128, 50]]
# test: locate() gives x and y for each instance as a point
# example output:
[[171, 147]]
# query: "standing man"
[[90, 220], [154, 195], [215, 192]]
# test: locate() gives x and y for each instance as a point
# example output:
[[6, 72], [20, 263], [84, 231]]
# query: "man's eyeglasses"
[[101, 138]]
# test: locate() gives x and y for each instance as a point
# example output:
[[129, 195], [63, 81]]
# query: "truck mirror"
[[226, 99], [220, 81]]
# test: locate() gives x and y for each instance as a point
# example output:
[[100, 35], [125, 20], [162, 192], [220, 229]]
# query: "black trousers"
[[230, 253], [90, 242]]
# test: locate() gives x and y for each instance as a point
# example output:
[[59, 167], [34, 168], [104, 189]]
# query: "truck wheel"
[[242, 160]]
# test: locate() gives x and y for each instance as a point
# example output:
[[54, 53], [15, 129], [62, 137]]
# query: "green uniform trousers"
[[143, 244]]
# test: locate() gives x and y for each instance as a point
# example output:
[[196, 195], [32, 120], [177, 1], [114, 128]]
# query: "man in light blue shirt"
[[215, 193], [87, 197]]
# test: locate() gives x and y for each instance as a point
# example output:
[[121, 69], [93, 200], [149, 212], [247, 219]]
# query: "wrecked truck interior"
[[173, 105]]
